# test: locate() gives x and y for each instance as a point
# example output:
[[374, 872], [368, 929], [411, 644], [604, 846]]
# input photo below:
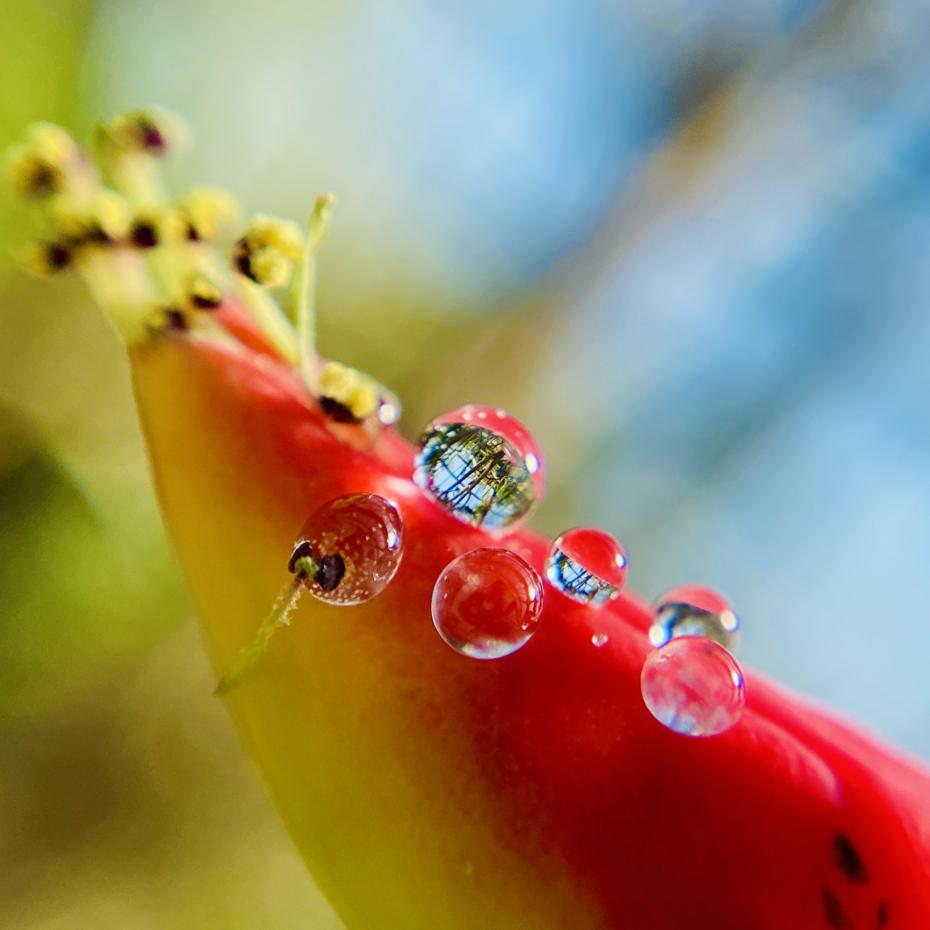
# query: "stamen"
[[349, 389], [264, 258], [208, 213], [270, 232], [129, 146], [269, 267], [147, 261], [144, 233], [268, 250], [154, 130], [102, 217], [203, 294], [49, 162], [170, 319], [45, 258]]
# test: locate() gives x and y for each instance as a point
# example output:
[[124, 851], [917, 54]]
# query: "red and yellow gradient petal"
[[427, 790]]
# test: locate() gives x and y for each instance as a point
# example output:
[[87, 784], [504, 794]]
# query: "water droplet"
[[691, 610], [481, 465], [388, 410], [487, 602], [353, 546], [588, 565], [693, 686], [600, 639]]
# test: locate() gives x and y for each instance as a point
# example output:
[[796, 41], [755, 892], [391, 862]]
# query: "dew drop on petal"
[[599, 639], [691, 610], [693, 686], [587, 565], [487, 603], [355, 544], [481, 465]]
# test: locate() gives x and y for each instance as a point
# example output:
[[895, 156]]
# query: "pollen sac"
[[349, 550], [691, 610], [481, 465], [693, 686], [587, 565], [487, 603]]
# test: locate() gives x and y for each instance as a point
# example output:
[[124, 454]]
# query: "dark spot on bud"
[[57, 256], [848, 860], [337, 411], [144, 235], [301, 551], [834, 911], [44, 181], [241, 258], [205, 303], [175, 320], [96, 236], [151, 138], [330, 571], [192, 234]]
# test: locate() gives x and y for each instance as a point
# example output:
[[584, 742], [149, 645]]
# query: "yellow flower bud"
[[270, 232], [45, 163], [45, 258], [351, 388], [203, 294], [270, 268], [209, 212]]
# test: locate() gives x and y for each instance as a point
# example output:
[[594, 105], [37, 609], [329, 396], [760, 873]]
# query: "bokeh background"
[[686, 241]]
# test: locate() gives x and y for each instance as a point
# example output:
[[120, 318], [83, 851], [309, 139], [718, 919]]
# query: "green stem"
[[118, 282], [280, 616], [302, 298], [136, 176], [270, 318]]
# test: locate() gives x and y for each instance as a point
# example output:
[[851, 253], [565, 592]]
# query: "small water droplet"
[[691, 610], [487, 603], [587, 565], [481, 465], [388, 410], [693, 686], [356, 543], [600, 639]]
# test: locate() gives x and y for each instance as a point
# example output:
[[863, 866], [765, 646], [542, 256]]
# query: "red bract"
[[536, 785]]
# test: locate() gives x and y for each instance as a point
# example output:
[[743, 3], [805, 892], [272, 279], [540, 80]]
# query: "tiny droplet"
[[600, 639]]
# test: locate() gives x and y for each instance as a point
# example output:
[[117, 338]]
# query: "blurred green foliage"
[[123, 798]]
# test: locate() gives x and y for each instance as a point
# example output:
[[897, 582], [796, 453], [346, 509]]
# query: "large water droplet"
[[349, 550], [487, 602], [691, 610], [481, 465], [693, 686], [587, 565]]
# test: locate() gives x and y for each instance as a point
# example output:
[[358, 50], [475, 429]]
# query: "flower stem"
[[302, 298], [279, 616]]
